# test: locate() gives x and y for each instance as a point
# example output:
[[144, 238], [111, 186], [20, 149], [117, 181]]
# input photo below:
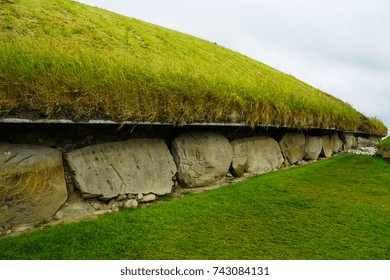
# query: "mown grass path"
[[333, 209]]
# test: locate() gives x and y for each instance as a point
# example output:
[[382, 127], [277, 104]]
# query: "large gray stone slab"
[[202, 158], [256, 155], [313, 147], [127, 167], [374, 140], [327, 148], [350, 141], [292, 146], [32, 183], [337, 144], [363, 142]]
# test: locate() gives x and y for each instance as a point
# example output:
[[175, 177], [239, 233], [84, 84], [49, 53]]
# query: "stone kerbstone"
[[256, 155], [363, 142], [127, 167], [327, 148], [292, 146], [313, 147], [337, 144], [374, 140], [202, 158], [350, 141], [32, 183]]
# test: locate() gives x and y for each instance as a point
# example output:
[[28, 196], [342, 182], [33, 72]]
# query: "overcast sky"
[[339, 46]]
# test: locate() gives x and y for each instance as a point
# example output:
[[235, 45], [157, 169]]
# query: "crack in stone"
[[23, 159], [11, 158], [117, 173]]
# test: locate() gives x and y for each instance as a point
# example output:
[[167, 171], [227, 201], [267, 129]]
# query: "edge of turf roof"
[[132, 123], [110, 122]]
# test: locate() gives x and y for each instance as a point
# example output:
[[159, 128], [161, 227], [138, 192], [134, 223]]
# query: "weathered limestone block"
[[363, 142], [202, 158], [337, 144], [292, 146], [350, 141], [130, 204], [256, 155], [327, 148], [32, 183], [127, 167], [148, 198], [374, 140], [313, 147]]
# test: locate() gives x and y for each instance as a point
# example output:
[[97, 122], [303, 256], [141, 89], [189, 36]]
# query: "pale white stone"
[[96, 206], [121, 197], [256, 155], [337, 144], [148, 198], [132, 166], [130, 204], [350, 141], [292, 146], [313, 147], [202, 158], [327, 149], [139, 196]]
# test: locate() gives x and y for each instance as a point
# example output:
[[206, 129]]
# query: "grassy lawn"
[[333, 209], [63, 59]]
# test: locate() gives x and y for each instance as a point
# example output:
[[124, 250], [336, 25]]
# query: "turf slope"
[[63, 59]]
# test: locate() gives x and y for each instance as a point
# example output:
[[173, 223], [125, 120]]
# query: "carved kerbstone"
[[127, 167], [32, 183]]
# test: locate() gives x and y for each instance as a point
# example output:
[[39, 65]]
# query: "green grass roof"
[[61, 59]]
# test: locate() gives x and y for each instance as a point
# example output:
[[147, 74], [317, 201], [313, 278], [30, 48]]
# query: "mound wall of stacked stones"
[[43, 167]]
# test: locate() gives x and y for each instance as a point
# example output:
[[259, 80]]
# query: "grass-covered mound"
[[385, 144], [61, 58]]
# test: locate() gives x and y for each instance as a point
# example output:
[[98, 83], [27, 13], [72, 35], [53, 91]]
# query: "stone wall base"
[[49, 172]]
